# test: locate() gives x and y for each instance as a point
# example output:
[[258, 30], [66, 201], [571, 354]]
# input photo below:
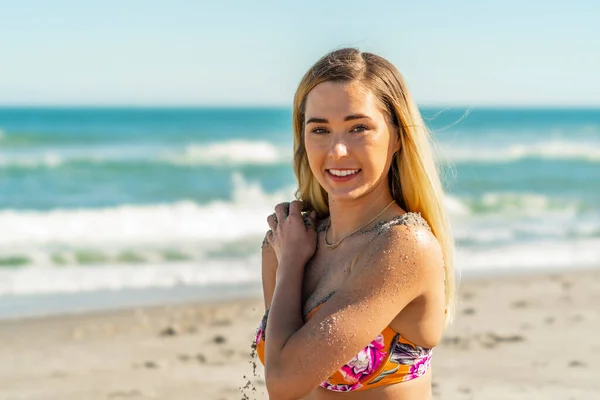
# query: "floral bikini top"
[[388, 359]]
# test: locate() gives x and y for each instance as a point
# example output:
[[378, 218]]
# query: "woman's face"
[[348, 142]]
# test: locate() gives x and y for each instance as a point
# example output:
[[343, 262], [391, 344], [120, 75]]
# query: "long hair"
[[413, 178]]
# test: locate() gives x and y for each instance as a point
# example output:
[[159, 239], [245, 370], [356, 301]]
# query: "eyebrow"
[[348, 118]]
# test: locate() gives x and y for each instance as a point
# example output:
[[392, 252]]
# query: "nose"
[[338, 149]]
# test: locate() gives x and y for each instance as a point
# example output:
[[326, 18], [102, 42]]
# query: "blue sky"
[[470, 53]]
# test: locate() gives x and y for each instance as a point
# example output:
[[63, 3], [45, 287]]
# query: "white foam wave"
[[505, 217], [231, 153], [551, 150], [46, 160], [56, 158], [244, 153], [541, 254], [486, 241], [139, 227], [38, 280], [454, 206], [185, 221], [511, 203]]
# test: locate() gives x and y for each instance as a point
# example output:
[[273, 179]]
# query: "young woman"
[[357, 273]]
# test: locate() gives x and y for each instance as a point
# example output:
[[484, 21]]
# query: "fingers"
[[268, 238], [285, 210], [313, 218], [281, 212], [295, 208], [272, 221], [310, 220]]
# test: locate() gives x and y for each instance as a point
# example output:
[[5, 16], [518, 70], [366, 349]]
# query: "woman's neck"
[[347, 216]]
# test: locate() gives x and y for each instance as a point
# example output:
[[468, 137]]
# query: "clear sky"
[[133, 52]]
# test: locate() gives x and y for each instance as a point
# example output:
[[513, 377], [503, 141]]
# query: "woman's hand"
[[292, 235]]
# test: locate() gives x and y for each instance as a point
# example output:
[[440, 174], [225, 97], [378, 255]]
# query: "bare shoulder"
[[403, 249], [409, 231]]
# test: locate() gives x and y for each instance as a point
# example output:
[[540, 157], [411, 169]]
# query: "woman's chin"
[[344, 195], [349, 194]]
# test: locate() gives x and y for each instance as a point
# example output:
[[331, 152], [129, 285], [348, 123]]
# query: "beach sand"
[[515, 337]]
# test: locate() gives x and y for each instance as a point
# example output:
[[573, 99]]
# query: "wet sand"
[[515, 337]]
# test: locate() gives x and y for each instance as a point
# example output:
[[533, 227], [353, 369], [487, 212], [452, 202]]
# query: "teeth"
[[346, 172]]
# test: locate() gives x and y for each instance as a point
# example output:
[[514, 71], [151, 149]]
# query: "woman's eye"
[[360, 128], [318, 130], [321, 130]]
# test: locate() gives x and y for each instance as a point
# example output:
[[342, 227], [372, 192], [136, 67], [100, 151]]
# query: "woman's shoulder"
[[408, 222], [406, 236], [410, 219], [403, 259]]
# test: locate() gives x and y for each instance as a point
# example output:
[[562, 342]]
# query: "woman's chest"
[[325, 273]]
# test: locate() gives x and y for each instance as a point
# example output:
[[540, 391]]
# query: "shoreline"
[[65, 304], [514, 337]]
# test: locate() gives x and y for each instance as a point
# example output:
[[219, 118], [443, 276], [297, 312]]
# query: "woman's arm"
[[396, 269]]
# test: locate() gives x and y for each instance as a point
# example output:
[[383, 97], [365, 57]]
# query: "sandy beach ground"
[[515, 337]]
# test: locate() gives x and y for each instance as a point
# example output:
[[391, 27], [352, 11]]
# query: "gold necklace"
[[336, 244]]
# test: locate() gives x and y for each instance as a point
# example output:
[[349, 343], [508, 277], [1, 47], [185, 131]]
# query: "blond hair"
[[413, 178]]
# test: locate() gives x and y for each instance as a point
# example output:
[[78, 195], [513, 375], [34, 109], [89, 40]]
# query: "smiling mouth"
[[343, 173]]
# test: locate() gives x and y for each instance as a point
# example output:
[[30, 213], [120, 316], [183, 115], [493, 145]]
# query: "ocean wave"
[[541, 254], [230, 153], [46, 160], [240, 153], [37, 280], [552, 150], [506, 217], [217, 243], [522, 203], [243, 215], [59, 157], [506, 229]]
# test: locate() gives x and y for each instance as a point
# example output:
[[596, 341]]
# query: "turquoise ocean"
[[108, 207]]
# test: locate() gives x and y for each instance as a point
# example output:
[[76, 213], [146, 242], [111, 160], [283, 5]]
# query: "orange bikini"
[[388, 359]]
